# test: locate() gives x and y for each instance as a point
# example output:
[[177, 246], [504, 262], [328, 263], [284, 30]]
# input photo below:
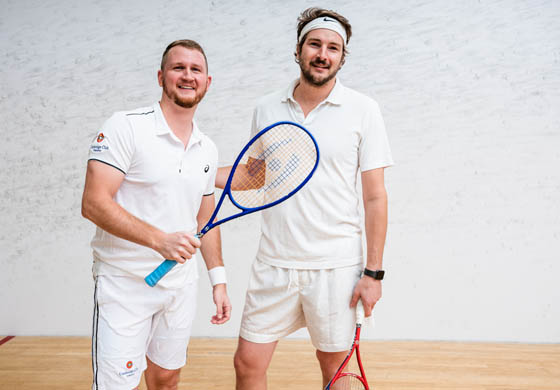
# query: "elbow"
[[85, 209], [379, 198], [88, 208]]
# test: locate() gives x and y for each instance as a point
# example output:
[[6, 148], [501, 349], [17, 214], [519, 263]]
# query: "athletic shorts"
[[280, 301], [133, 320]]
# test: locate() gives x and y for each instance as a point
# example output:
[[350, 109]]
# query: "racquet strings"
[[273, 166], [348, 382]]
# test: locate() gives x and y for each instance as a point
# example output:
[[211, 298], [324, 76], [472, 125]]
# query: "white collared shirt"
[[163, 185], [320, 226]]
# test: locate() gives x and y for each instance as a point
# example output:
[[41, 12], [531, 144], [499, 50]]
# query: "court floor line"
[[6, 339]]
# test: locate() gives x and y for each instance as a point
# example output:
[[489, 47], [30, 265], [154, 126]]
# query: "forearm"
[[222, 176], [248, 176], [375, 213], [211, 248], [114, 219]]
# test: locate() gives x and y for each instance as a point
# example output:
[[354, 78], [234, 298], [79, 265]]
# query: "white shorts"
[[132, 320], [280, 301]]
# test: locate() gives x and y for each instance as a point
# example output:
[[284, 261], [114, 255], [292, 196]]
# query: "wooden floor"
[[64, 364]]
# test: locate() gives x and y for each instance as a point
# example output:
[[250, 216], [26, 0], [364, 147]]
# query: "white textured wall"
[[470, 92]]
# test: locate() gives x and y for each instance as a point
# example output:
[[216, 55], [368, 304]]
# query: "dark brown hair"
[[313, 13]]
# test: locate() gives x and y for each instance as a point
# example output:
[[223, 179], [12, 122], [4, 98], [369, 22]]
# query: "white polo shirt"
[[163, 185], [320, 227]]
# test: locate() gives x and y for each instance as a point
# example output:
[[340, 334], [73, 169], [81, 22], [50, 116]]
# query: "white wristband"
[[217, 275]]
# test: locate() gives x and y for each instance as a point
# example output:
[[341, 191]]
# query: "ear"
[[160, 78], [208, 82]]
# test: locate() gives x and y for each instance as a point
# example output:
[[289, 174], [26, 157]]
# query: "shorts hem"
[[166, 366], [331, 347], [260, 338]]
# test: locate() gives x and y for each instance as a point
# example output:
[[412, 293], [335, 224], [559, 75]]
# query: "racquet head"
[[275, 164], [348, 381]]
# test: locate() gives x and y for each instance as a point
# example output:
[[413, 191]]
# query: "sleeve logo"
[[95, 147]]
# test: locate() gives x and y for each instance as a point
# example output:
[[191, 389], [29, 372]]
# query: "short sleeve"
[[374, 150], [114, 143], [210, 184]]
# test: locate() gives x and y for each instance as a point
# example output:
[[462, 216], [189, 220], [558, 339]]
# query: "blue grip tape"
[[160, 272]]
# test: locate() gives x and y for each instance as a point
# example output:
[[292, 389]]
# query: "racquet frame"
[[354, 349]]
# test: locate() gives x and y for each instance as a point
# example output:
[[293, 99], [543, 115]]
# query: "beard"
[[317, 80], [181, 101]]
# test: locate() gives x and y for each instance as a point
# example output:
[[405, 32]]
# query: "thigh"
[[272, 304], [251, 355], [122, 324], [326, 304], [172, 327]]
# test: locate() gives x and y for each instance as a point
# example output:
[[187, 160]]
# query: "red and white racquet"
[[347, 377]]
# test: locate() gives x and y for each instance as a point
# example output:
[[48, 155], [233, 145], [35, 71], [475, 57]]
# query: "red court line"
[[6, 339]]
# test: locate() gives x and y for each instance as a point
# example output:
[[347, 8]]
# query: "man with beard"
[[149, 187], [309, 269]]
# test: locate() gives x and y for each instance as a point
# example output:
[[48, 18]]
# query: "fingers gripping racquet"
[[273, 166], [343, 379]]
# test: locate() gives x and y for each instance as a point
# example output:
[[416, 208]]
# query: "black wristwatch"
[[377, 275]]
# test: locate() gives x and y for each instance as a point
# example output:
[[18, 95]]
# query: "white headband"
[[324, 22]]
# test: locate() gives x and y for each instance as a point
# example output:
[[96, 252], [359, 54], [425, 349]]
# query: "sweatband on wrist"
[[217, 275]]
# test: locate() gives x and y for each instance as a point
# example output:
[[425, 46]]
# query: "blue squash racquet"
[[273, 166]]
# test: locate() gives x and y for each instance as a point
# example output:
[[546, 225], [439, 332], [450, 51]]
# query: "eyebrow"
[[181, 63], [328, 42]]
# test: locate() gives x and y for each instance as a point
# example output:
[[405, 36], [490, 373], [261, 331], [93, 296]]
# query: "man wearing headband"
[[309, 269]]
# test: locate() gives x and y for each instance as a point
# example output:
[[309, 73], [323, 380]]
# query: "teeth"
[[183, 87]]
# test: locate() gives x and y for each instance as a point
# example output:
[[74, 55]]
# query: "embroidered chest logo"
[[100, 137], [206, 168]]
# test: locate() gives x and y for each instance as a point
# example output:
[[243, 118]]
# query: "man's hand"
[[369, 291], [178, 246], [223, 306]]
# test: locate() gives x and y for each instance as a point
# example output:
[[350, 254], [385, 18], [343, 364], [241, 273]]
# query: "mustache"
[[319, 62]]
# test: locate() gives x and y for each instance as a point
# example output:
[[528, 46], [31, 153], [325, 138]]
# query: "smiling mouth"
[[186, 87], [320, 66]]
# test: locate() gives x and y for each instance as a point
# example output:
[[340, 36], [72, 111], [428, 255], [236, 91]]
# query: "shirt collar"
[[335, 97], [163, 128]]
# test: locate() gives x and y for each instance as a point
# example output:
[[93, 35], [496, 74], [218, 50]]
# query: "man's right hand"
[[178, 246]]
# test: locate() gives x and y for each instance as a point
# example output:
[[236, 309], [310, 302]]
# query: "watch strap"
[[377, 274]]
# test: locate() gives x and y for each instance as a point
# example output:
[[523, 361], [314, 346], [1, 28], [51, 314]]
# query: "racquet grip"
[[160, 272], [359, 313]]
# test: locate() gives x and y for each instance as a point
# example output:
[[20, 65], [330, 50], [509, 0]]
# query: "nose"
[[187, 74], [322, 53]]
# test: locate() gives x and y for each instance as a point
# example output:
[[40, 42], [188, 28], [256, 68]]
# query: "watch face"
[[380, 275]]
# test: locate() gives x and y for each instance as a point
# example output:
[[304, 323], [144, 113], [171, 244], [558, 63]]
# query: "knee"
[[329, 362], [167, 380], [248, 364]]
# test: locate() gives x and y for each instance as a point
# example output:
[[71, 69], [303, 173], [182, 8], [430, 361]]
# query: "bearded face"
[[184, 77], [321, 56]]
